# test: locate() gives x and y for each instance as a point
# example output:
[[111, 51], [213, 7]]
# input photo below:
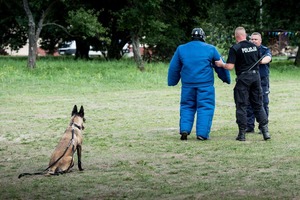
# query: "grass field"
[[131, 147]]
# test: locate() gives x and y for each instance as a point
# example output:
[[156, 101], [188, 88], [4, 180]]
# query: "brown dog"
[[62, 159]]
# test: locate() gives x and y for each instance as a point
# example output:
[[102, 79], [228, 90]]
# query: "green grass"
[[131, 147]]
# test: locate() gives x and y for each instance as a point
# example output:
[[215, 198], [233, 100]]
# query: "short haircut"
[[256, 33], [240, 31]]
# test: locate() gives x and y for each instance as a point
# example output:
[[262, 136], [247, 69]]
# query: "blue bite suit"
[[193, 63]]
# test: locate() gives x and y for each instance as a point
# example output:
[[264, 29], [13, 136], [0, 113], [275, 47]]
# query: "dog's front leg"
[[79, 157]]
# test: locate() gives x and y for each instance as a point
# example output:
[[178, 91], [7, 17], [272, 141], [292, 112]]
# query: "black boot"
[[184, 135], [249, 130], [265, 132], [241, 135]]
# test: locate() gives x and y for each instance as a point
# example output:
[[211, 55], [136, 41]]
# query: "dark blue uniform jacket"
[[264, 68]]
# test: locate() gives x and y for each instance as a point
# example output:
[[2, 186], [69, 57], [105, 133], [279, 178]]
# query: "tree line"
[[108, 25]]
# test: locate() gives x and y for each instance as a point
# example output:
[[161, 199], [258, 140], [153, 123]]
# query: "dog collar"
[[77, 126]]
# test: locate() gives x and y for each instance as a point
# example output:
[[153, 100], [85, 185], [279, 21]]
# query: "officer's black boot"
[[241, 135], [265, 132]]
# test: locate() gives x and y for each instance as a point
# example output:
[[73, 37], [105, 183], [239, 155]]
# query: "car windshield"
[[65, 45]]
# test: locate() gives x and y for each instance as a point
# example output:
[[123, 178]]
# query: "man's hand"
[[219, 63]]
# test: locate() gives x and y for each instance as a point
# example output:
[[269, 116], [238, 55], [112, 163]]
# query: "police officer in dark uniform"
[[243, 56], [264, 78]]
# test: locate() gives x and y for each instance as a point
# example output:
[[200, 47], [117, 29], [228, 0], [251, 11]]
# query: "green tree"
[[12, 27], [179, 17], [108, 16], [225, 15], [140, 17], [55, 31], [161, 24], [84, 27], [35, 26]]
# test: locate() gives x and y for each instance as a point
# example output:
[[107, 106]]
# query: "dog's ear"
[[81, 112], [74, 112]]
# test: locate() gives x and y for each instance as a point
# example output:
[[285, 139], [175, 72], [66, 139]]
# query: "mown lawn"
[[131, 147]]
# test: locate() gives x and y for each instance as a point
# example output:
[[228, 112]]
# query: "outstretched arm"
[[266, 60], [220, 63]]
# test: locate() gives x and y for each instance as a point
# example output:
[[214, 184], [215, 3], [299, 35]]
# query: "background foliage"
[[163, 24]]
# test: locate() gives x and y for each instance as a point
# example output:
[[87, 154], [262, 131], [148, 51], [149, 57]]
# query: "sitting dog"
[[62, 159]]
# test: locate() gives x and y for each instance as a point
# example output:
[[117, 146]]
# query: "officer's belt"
[[253, 71]]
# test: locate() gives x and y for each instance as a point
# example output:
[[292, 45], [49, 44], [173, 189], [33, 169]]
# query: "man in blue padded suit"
[[193, 63]]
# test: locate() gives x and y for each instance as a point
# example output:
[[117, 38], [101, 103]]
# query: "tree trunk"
[[82, 49], [34, 32], [136, 53], [32, 49], [297, 60]]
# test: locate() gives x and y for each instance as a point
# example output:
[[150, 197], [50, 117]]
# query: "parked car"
[[69, 48]]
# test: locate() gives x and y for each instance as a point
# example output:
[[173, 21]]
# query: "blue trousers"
[[200, 101], [266, 90]]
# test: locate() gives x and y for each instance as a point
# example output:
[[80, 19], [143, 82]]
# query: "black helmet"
[[198, 33]]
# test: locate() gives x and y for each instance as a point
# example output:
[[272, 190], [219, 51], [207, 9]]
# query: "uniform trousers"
[[248, 91], [266, 90]]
